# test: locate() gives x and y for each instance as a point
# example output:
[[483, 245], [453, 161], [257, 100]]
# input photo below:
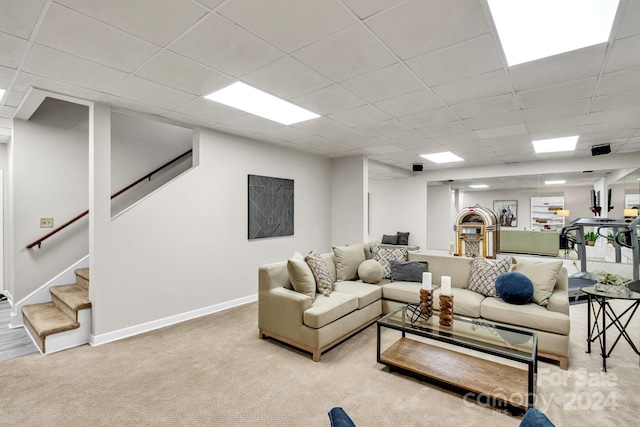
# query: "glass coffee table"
[[451, 364]]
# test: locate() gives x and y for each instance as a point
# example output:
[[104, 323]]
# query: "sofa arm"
[[280, 311]]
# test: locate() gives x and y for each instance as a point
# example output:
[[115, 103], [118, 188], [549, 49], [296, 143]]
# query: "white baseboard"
[[96, 340], [73, 338]]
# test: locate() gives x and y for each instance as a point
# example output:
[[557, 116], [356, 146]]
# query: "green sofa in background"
[[530, 242]]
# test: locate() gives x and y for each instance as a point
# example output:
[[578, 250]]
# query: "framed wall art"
[[507, 212], [270, 207]]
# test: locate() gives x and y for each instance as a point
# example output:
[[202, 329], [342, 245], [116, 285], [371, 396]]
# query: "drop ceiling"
[[392, 79]]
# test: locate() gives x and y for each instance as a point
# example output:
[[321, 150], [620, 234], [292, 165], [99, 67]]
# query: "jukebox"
[[476, 231]]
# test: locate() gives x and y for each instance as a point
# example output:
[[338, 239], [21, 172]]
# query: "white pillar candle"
[[445, 285], [426, 281]]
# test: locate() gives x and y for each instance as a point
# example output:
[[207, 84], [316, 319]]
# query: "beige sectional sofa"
[[317, 325]]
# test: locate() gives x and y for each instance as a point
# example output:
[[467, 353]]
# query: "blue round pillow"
[[514, 288]]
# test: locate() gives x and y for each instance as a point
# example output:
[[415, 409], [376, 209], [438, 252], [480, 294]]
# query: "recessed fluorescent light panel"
[[555, 182], [479, 186], [534, 29], [555, 145], [1, 93], [444, 157], [246, 98]]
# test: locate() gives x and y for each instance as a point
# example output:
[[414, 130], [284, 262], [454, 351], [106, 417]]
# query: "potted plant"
[[590, 237], [611, 283]]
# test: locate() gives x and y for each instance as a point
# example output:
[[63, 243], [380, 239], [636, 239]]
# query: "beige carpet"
[[214, 371]]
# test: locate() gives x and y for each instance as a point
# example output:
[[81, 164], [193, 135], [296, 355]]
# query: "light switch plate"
[[46, 222]]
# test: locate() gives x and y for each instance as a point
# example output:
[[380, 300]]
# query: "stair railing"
[[148, 176]]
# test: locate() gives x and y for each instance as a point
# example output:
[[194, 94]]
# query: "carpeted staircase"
[[65, 321]]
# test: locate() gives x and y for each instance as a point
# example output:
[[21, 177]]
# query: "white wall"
[[185, 247], [398, 205], [48, 178], [440, 217], [349, 188]]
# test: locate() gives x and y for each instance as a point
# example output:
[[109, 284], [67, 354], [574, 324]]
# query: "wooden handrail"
[[116, 194]]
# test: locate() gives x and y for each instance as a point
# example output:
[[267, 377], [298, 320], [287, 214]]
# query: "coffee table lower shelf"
[[491, 379]]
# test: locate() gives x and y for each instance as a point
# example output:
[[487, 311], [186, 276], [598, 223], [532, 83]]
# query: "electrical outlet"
[[46, 222]]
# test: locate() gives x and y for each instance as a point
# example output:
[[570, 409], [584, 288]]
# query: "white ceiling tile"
[[178, 72], [557, 94], [187, 119], [444, 129], [469, 137], [616, 101], [286, 133], [221, 45], [169, 18], [555, 133], [624, 54], [557, 110], [6, 76], [288, 25], [133, 105], [385, 127], [567, 66], [320, 126], [383, 149], [27, 80], [18, 17], [595, 134], [239, 132], [495, 120], [360, 116], [209, 110], [66, 68], [424, 118], [286, 78], [474, 88], [501, 131], [13, 98], [557, 123], [328, 100], [347, 135], [384, 83], [148, 92], [7, 112], [422, 26], [460, 61], [631, 113], [487, 106], [508, 139], [11, 50], [346, 54], [93, 40], [409, 103], [366, 8], [406, 135], [629, 23], [619, 81], [252, 123]]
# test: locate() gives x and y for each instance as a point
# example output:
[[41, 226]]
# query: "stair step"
[[82, 277], [70, 299], [45, 319]]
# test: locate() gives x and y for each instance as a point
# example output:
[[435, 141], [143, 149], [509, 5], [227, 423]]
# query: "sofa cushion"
[[348, 259], [543, 274], [465, 302], [365, 292], [484, 274], [531, 316], [514, 288], [403, 238], [370, 271], [390, 239], [406, 292], [325, 310], [385, 255], [407, 271], [301, 276], [322, 274]]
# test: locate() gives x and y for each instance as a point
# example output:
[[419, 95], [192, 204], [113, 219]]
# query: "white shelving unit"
[[543, 213]]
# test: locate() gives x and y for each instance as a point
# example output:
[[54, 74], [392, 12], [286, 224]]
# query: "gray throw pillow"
[[403, 238], [389, 240], [407, 271]]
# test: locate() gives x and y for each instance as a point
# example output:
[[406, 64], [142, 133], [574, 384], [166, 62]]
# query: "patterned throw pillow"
[[320, 269], [484, 274], [385, 255]]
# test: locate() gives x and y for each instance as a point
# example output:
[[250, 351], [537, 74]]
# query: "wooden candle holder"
[[446, 310], [426, 303]]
